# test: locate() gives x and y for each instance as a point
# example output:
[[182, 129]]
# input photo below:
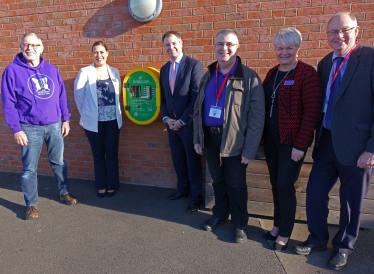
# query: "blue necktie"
[[333, 92]]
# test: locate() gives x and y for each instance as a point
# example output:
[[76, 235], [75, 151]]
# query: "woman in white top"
[[96, 93]]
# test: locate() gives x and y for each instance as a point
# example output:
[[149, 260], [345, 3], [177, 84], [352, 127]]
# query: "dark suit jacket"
[[180, 104], [352, 116]]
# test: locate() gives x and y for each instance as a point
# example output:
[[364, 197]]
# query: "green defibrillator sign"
[[142, 95]]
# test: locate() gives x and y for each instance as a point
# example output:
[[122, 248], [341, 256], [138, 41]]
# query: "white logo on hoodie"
[[41, 86], [40, 83]]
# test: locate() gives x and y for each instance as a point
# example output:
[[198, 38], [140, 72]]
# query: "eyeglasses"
[[33, 46], [229, 45], [336, 32]]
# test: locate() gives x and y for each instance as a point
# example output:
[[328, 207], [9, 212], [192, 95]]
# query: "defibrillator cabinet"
[[142, 95]]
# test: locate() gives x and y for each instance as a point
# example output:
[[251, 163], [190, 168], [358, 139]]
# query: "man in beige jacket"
[[228, 122]]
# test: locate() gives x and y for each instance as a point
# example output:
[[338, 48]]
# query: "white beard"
[[31, 57]]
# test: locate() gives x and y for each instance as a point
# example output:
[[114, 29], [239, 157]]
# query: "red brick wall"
[[69, 27]]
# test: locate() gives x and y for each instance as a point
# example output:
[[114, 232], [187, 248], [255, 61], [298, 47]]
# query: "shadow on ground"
[[139, 231]]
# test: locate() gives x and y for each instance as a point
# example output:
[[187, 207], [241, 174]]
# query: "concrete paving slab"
[[139, 231]]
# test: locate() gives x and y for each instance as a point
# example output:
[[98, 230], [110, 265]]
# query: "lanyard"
[[219, 92], [335, 74]]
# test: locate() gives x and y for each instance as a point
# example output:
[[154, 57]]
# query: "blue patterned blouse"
[[106, 100]]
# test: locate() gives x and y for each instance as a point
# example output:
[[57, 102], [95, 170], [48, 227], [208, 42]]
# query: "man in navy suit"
[[180, 78], [344, 145]]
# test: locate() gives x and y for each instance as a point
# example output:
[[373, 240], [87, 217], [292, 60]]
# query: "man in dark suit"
[[344, 144], [180, 78]]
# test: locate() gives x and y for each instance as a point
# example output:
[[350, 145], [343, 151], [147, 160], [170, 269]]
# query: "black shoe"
[[110, 194], [240, 236], [269, 236], [193, 207], [101, 195], [213, 223], [279, 247], [306, 248], [337, 260], [177, 195]]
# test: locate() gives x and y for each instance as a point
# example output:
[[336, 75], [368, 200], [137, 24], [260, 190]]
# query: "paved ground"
[[140, 231]]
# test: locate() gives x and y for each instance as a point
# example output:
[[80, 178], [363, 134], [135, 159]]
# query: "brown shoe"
[[69, 199], [32, 212]]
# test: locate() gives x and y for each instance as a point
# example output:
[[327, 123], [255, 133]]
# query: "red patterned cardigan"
[[299, 106]]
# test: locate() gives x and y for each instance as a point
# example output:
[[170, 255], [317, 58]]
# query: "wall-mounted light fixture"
[[145, 10]]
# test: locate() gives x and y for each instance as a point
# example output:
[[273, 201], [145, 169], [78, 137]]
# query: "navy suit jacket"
[[180, 105], [352, 116]]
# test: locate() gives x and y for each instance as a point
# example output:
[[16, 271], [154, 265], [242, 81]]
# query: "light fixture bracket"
[[145, 10]]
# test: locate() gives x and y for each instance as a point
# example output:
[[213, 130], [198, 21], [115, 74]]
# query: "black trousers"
[[229, 182], [283, 173], [187, 163], [104, 146], [354, 185]]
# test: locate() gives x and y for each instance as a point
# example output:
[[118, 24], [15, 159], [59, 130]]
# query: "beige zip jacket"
[[244, 112]]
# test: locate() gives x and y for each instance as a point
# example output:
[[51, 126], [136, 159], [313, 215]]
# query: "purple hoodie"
[[33, 95]]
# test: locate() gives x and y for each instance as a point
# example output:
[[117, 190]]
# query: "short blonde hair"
[[288, 36]]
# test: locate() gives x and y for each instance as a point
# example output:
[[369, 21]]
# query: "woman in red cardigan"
[[293, 101]]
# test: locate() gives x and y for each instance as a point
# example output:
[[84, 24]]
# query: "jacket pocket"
[[86, 111], [364, 126], [237, 91], [237, 97]]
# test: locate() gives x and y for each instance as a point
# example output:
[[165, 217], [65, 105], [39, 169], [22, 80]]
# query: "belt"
[[214, 130]]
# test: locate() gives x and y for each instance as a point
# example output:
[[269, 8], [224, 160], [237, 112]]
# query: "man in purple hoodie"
[[36, 109]]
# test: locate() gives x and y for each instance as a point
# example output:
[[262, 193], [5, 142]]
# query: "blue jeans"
[[52, 136]]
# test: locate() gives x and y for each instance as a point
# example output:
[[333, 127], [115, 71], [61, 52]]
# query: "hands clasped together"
[[174, 124]]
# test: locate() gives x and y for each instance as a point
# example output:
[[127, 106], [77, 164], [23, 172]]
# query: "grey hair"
[[350, 14], [225, 32], [27, 35], [288, 36]]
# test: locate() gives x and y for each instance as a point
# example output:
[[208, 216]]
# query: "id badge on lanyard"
[[216, 111]]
